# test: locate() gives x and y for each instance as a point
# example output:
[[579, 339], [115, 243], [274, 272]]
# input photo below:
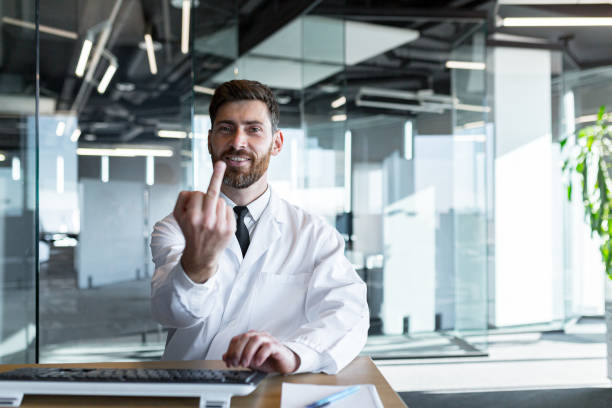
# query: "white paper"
[[301, 395]]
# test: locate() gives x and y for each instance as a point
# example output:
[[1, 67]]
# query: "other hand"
[[260, 351]]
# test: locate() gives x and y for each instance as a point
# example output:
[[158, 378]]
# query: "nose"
[[239, 139]]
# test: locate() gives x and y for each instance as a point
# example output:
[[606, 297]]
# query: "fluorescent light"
[[185, 31], [408, 140], [80, 68], [108, 75], [338, 118], [104, 164], [473, 125], [348, 155], [338, 102], [175, 134], [123, 152], [150, 171], [59, 174], [472, 108], [556, 21], [43, 28], [466, 65], [16, 168], [75, 135], [61, 127], [2, 157], [151, 54], [203, 89]]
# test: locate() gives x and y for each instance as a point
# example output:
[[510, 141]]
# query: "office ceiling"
[[137, 102]]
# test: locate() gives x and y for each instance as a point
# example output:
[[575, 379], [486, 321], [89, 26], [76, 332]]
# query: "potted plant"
[[590, 156]]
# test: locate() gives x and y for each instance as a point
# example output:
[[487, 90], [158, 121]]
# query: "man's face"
[[242, 137]]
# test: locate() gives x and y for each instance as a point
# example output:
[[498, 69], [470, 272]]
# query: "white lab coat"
[[294, 282]]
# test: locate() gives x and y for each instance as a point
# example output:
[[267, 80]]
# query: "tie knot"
[[241, 210]]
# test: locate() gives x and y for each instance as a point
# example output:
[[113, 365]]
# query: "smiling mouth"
[[237, 160]]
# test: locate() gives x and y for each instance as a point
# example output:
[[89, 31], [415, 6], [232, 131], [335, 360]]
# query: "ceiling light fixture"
[[185, 30], [61, 127], [338, 102], [43, 28], [151, 54], [556, 21], [75, 135], [203, 89], [108, 75], [174, 134], [466, 65], [338, 118], [80, 68]]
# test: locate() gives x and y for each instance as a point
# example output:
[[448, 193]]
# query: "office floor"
[[551, 369]]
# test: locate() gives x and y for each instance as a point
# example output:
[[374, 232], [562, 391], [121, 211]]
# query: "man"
[[244, 276]]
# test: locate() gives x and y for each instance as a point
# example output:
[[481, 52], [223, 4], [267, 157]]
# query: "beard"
[[238, 177]]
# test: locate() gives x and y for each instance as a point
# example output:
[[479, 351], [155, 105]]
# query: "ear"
[[277, 143], [209, 142]]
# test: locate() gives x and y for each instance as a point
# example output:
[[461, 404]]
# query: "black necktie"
[[242, 233]]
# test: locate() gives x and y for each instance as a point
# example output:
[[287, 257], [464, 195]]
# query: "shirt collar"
[[257, 207]]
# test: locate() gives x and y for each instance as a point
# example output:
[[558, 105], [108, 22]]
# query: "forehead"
[[243, 111]]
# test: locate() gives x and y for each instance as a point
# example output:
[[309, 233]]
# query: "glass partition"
[[18, 182], [116, 148]]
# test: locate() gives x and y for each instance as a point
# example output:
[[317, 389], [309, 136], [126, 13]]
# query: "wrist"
[[198, 273]]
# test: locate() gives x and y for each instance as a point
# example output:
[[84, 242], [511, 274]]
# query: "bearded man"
[[241, 274]]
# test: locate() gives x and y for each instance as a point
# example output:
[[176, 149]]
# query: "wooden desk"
[[361, 371]]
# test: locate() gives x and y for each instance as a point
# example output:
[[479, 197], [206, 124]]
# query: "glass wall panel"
[[116, 148], [418, 185], [582, 93], [470, 147], [18, 179]]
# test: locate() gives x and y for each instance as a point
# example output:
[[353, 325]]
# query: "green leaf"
[[569, 192], [590, 140], [565, 165], [583, 132], [563, 142], [601, 113]]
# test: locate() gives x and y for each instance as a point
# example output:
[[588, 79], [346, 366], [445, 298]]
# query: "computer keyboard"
[[213, 387], [134, 375]]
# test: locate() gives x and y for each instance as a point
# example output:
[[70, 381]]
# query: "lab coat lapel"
[[266, 233]]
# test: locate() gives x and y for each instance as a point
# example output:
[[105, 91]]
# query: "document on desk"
[[301, 395]]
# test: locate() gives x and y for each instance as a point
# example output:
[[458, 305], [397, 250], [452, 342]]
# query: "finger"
[[221, 210], [212, 194], [263, 353], [193, 206], [234, 353], [230, 219], [251, 348], [179, 207]]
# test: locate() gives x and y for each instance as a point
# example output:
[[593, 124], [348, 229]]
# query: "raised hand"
[[208, 225], [260, 351]]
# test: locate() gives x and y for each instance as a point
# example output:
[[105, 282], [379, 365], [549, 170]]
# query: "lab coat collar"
[[266, 233]]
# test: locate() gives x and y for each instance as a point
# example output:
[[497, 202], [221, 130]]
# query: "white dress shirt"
[[294, 282], [256, 208]]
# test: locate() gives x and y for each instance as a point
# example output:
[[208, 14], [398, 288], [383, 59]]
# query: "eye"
[[256, 129]]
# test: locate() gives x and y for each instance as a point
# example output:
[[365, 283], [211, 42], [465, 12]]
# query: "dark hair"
[[243, 89]]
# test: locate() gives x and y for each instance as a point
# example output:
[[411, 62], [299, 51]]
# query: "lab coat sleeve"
[[176, 300], [336, 310]]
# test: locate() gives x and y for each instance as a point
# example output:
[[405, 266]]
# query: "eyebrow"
[[231, 122]]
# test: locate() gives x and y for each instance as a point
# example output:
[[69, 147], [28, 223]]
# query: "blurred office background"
[[425, 132]]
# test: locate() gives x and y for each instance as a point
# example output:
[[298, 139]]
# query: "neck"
[[245, 196]]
